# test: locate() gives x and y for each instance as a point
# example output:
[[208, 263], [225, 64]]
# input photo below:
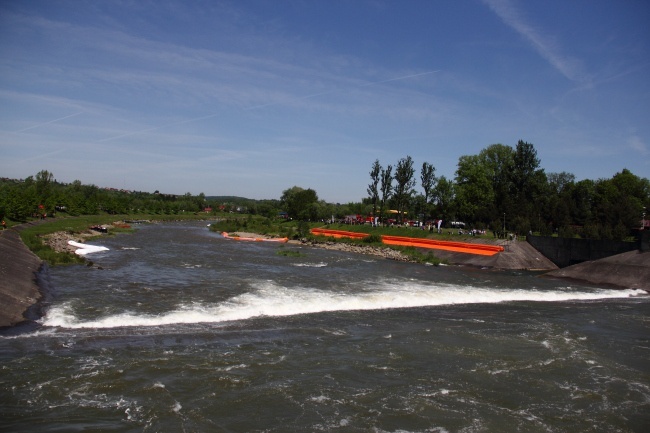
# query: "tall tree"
[[443, 197], [373, 191], [526, 164], [405, 183], [560, 203], [498, 160], [474, 190], [560, 182], [428, 179], [44, 180], [300, 203], [618, 204], [528, 183], [386, 180]]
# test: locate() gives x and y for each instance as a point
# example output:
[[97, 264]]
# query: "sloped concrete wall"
[[569, 251], [18, 287]]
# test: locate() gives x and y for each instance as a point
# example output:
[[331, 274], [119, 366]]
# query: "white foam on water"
[[35, 334], [83, 249], [310, 265], [270, 299]]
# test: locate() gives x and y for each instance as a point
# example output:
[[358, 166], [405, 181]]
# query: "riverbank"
[[20, 267], [516, 255], [18, 286]]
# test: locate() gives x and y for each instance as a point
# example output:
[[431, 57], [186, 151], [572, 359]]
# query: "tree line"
[[504, 188], [42, 196], [500, 188]]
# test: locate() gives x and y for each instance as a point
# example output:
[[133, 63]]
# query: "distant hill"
[[228, 198]]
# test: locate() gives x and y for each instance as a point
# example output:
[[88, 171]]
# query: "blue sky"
[[250, 98]]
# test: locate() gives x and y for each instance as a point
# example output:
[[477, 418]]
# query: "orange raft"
[[461, 247], [241, 238]]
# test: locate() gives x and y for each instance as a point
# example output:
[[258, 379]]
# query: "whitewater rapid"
[[269, 299]]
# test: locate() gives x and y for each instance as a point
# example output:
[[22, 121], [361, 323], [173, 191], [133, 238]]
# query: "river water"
[[177, 329]]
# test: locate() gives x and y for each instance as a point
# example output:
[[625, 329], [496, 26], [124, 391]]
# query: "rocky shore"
[[58, 241], [386, 253]]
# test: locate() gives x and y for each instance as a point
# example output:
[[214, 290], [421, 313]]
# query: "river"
[[177, 329]]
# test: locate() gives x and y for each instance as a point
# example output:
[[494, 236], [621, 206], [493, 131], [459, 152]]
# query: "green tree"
[[582, 199], [44, 180], [428, 179], [373, 187], [443, 198], [528, 182], [405, 183], [419, 206], [560, 182], [559, 203], [499, 161], [19, 202], [483, 182], [474, 189], [299, 203], [386, 187], [618, 204]]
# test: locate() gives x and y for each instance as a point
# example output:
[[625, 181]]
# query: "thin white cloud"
[[214, 75], [48, 123], [636, 144], [543, 44]]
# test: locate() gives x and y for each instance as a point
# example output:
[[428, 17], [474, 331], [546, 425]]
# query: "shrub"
[[372, 239]]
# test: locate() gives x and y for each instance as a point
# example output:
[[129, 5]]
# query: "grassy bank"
[[263, 226], [33, 236]]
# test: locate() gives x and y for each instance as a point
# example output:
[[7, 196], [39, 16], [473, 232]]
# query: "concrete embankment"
[[628, 270], [516, 256], [18, 268]]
